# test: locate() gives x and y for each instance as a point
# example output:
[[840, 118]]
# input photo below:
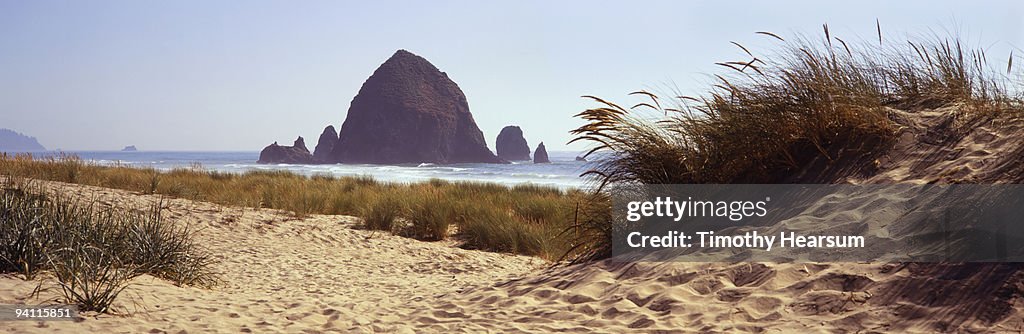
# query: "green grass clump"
[[165, 250], [24, 233], [497, 231], [92, 250], [430, 219], [91, 277], [382, 213]]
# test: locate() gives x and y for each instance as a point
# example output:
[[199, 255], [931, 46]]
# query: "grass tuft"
[[92, 250], [773, 116], [381, 213], [91, 277], [810, 111], [430, 218]]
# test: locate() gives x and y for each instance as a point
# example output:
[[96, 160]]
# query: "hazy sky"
[[237, 75]]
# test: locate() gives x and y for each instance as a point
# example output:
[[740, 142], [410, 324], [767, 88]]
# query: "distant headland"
[[13, 141]]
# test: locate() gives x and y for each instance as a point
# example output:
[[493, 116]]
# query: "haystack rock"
[[511, 145], [540, 156], [324, 146], [408, 111], [295, 154]]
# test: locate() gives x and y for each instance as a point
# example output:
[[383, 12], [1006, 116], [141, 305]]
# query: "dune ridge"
[[941, 145]]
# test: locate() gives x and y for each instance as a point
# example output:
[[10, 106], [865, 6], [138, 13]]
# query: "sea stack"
[[540, 156], [295, 154], [408, 111], [324, 145], [511, 145]]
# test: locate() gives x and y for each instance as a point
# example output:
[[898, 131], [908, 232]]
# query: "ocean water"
[[563, 172]]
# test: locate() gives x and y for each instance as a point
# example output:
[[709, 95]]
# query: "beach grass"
[[91, 249], [809, 111], [528, 219]]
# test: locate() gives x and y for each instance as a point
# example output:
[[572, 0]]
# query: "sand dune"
[[755, 297]]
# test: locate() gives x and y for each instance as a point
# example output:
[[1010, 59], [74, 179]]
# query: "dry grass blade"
[[770, 34], [878, 29], [743, 48], [828, 38], [644, 104], [613, 105], [1009, 63], [845, 47], [731, 66], [654, 98], [749, 64]]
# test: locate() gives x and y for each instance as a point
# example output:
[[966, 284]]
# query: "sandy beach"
[[322, 274], [283, 274]]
